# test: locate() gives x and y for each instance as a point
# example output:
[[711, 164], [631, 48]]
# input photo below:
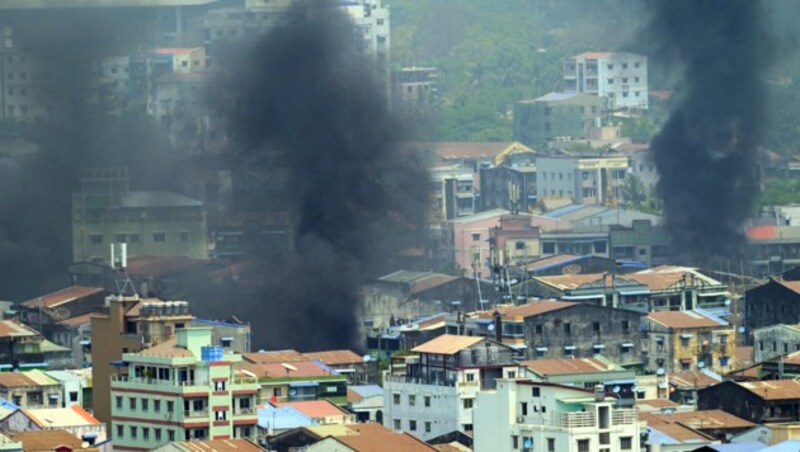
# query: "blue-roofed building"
[[366, 402], [557, 116], [274, 420]]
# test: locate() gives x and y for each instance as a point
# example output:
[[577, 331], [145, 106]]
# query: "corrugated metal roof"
[[684, 319], [62, 296], [447, 344], [773, 389], [548, 367], [555, 97]]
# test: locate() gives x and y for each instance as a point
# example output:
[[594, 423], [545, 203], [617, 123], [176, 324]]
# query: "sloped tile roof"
[[447, 344]]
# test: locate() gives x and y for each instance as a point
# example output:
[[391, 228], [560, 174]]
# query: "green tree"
[[634, 191]]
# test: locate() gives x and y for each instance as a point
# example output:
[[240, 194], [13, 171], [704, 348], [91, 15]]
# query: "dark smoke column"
[[305, 100], [706, 153]]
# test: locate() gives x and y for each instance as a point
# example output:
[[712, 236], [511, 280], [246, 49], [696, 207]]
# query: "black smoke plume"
[[304, 100], [706, 152], [60, 50]]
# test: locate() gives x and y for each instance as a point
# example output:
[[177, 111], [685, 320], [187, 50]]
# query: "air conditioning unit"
[[520, 419]]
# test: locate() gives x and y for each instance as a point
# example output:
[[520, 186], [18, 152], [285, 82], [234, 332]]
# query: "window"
[[184, 63], [412, 400], [397, 424], [156, 405], [134, 238], [159, 237], [567, 328], [412, 425], [684, 341], [119, 403], [133, 403], [551, 444], [626, 443], [536, 392], [548, 248], [145, 404], [219, 386], [120, 431], [774, 346], [476, 237], [427, 427], [636, 79], [611, 81], [470, 377], [624, 66], [119, 238], [427, 401], [133, 431], [523, 408], [624, 79], [583, 445], [170, 435], [170, 406], [538, 329], [547, 126], [761, 345], [73, 396], [520, 245], [514, 442], [625, 325], [184, 236], [600, 247], [468, 403], [221, 415], [157, 433], [596, 327], [636, 65], [594, 109], [96, 239], [785, 347], [610, 67], [145, 433], [396, 399]]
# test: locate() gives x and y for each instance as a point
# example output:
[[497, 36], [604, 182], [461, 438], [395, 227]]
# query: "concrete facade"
[[773, 341], [621, 77], [557, 117], [542, 417], [176, 393], [586, 180]]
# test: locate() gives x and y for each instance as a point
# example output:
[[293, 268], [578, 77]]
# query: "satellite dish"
[[490, 327], [615, 389], [367, 358], [293, 392], [660, 371], [742, 329], [701, 365], [727, 302]]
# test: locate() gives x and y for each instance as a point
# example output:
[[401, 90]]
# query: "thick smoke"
[[306, 102], [61, 51], [706, 152]]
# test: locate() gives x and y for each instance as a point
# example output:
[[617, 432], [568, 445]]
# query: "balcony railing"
[[155, 381], [195, 413], [575, 419], [624, 416], [419, 381], [239, 411]]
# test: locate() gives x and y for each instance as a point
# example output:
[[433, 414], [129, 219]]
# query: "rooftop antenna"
[[119, 264]]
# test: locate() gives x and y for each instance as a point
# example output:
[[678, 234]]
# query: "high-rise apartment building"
[[620, 76]]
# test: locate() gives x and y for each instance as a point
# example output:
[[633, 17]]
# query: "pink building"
[[469, 238]]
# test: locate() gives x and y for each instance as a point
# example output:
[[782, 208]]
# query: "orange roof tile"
[[794, 286], [674, 430], [13, 328], [167, 349], [383, 442], [218, 445], [773, 389], [62, 296], [549, 261], [315, 409], [77, 321], [336, 357], [447, 344], [274, 356], [523, 311], [692, 379], [39, 440], [707, 419], [457, 150], [683, 319], [567, 366], [278, 371]]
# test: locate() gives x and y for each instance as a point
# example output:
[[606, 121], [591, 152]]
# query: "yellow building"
[[689, 340]]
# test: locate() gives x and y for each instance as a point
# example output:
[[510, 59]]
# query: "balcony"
[[575, 419], [624, 416], [244, 411], [125, 381], [195, 414]]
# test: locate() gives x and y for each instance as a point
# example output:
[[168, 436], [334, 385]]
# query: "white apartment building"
[[619, 76], [437, 393], [546, 417]]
